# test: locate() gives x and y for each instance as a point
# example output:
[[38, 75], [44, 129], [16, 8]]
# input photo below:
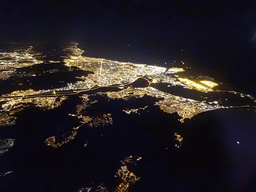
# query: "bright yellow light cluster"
[[127, 177], [10, 61], [204, 86], [185, 108], [176, 69], [209, 83], [178, 137]]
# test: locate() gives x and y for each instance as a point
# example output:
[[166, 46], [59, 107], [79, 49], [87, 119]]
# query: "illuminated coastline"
[[111, 81]]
